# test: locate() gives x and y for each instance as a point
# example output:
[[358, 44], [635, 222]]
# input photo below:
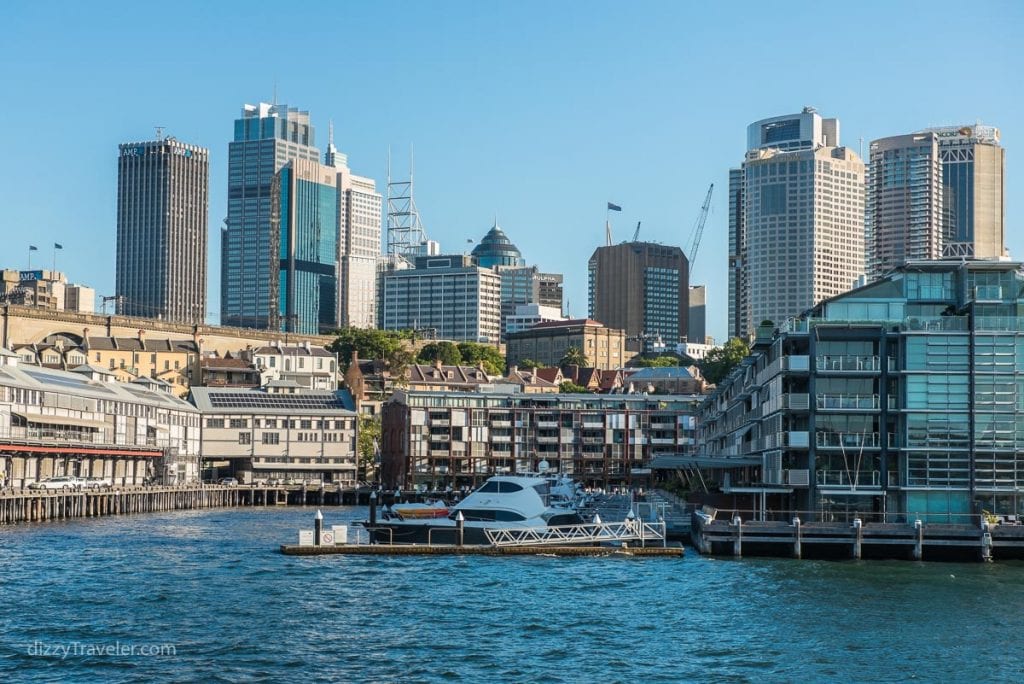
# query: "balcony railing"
[[848, 363], [847, 402], [848, 478], [854, 440]]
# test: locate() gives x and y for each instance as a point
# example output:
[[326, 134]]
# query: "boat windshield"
[[500, 487]]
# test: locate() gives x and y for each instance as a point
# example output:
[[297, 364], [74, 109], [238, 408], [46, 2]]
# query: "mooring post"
[[373, 509], [858, 537], [918, 540], [986, 541], [796, 537], [737, 541], [460, 524], [318, 527]]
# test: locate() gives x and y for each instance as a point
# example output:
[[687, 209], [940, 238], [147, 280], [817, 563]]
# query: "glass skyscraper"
[[266, 138]]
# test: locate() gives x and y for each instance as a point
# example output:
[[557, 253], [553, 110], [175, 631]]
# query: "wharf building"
[[901, 399], [82, 423], [162, 232], [449, 297], [521, 285], [440, 439], [547, 342], [641, 288], [796, 220], [934, 193], [279, 432]]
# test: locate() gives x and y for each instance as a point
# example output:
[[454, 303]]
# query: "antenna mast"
[[405, 230]]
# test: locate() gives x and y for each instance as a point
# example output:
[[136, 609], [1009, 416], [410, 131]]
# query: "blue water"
[[214, 586]]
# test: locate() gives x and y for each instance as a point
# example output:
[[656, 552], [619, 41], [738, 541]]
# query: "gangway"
[[585, 533]]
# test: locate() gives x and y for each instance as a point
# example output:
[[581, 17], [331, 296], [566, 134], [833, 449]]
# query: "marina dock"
[[915, 540], [478, 550]]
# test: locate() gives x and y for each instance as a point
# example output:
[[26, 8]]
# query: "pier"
[[37, 505], [480, 550], [983, 540]]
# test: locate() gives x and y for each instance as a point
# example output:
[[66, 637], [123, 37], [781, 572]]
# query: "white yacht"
[[502, 502]]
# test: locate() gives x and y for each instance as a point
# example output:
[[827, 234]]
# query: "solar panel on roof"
[[269, 401]]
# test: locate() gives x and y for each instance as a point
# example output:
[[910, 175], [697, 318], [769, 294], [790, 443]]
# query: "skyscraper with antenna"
[[406, 235]]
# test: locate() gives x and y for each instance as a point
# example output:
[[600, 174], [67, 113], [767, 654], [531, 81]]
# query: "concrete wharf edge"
[[478, 550]]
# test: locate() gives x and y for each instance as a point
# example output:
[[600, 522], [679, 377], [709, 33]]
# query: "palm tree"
[[574, 357]]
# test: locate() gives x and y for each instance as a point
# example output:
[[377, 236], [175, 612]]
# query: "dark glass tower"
[[495, 249]]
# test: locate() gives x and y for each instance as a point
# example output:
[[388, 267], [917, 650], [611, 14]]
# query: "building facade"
[[305, 365], [359, 246], [801, 235], [495, 249], [525, 316], [524, 286], [266, 137], [440, 439], [547, 343], [449, 296], [299, 436], [900, 400], [642, 288], [162, 233], [697, 318], [55, 423]]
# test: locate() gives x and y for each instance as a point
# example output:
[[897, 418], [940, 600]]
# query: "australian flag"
[[614, 207]]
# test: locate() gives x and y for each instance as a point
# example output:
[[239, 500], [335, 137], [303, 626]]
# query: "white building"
[[305, 365], [528, 315]]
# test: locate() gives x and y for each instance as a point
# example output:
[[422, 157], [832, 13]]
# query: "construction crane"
[[636, 233], [698, 228]]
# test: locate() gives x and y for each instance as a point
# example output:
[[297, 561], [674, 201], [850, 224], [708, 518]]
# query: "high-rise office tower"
[[495, 249], [267, 137], [304, 224], [162, 202], [697, 322], [934, 193], [973, 189], [359, 243], [642, 288], [800, 236], [904, 202]]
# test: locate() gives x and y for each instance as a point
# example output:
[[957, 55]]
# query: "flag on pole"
[[33, 248], [57, 245], [614, 207]]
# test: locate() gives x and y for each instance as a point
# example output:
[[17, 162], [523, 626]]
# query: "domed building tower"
[[495, 249]]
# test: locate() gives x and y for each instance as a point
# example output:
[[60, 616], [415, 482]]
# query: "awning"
[[742, 431], [65, 421]]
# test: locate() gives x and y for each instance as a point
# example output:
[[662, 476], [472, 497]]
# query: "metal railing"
[[851, 479], [587, 533]]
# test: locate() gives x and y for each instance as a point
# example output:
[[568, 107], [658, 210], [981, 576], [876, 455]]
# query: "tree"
[[570, 387], [368, 343], [474, 353], [530, 364], [574, 357], [398, 365], [447, 352], [720, 361], [657, 361], [368, 444]]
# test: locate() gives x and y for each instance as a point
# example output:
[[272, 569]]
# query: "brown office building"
[[548, 342], [644, 289]]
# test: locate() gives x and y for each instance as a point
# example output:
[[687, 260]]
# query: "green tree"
[[473, 353], [530, 364], [657, 361], [720, 361], [447, 352], [570, 387], [398, 365], [574, 357], [368, 343], [368, 445]]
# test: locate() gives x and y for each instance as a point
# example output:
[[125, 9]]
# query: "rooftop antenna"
[[275, 93], [330, 134], [159, 132]]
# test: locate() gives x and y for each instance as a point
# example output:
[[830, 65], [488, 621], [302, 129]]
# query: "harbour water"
[[207, 596]]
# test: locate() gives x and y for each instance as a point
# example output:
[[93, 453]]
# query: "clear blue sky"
[[537, 111]]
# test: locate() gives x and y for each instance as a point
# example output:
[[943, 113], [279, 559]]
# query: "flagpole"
[[30, 257]]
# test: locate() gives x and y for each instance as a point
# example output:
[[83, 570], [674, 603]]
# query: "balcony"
[[663, 440], [797, 477], [547, 439], [848, 440], [848, 364], [440, 422], [547, 424], [847, 402], [797, 439], [853, 479], [501, 423]]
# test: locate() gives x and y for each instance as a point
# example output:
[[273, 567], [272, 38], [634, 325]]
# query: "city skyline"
[[543, 140]]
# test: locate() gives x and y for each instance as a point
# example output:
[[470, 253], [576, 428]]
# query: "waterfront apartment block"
[[798, 237], [642, 288], [457, 439], [901, 398], [82, 423], [162, 213], [286, 434], [547, 343], [450, 297]]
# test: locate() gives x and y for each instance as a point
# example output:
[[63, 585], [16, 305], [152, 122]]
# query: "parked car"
[[259, 482], [65, 483], [228, 481], [97, 482]]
